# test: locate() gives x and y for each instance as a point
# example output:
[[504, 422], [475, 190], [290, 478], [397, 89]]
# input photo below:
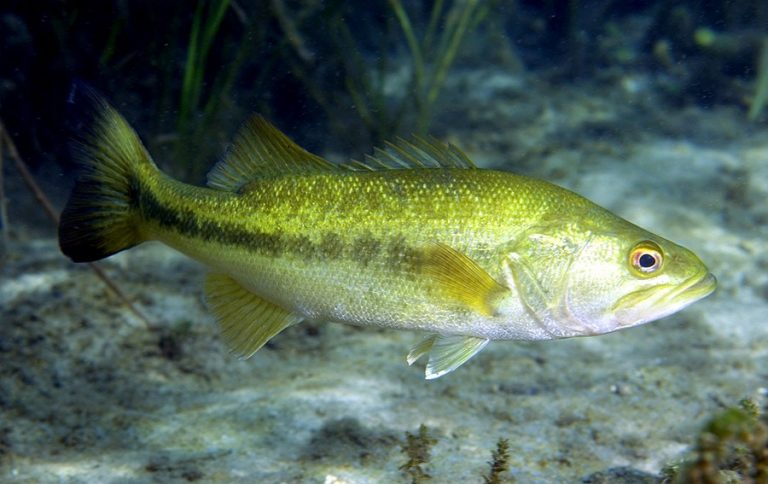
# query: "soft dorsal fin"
[[414, 153], [259, 150]]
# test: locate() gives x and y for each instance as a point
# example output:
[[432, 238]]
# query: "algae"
[[732, 447], [418, 448], [499, 464]]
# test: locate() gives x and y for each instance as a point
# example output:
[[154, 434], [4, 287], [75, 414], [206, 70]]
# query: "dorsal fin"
[[259, 150], [417, 152]]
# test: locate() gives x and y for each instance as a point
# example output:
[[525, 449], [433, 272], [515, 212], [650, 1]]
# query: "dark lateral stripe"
[[330, 247], [188, 223]]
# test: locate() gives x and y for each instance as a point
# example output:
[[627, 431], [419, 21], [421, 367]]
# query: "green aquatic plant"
[[428, 79], [204, 92], [4, 243], [432, 44], [205, 25], [761, 83], [731, 447], [499, 463], [108, 52], [418, 449]]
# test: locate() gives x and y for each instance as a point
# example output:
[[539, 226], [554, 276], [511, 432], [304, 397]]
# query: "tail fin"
[[102, 216]]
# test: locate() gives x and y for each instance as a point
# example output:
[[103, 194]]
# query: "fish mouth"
[[652, 304], [694, 289]]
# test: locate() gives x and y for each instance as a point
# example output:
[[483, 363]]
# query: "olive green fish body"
[[415, 238], [349, 246]]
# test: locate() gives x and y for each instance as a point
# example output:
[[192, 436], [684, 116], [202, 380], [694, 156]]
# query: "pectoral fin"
[[460, 279], [247, 321]]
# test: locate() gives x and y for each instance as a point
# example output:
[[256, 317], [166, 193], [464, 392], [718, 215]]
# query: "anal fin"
[[247, 321], [446, 352]]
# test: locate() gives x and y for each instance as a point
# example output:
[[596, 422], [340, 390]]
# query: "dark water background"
[[183, 71]]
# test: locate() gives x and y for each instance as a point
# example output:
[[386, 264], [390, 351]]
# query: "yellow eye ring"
[[646, 258]]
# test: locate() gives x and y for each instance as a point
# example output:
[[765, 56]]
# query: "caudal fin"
[[102, 216]]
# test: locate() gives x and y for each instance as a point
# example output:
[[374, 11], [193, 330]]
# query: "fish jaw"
[[650, 304]]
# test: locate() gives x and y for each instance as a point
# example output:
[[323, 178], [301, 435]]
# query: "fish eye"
[[646, 258]]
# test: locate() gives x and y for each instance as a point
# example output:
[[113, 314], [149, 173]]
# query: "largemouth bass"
[[413, 238]]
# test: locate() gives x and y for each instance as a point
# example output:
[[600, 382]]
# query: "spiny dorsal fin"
[[461, 280], [414, 153], [247, 321], [260, 150]]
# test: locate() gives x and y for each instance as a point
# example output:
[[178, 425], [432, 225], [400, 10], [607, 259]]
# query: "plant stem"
[[197, 54], [187, 87], [434, 18], [3, 207], [761, 83], [413, 44], [445, 57]]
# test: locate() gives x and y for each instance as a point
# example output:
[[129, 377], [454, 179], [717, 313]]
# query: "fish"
[[413, 237]]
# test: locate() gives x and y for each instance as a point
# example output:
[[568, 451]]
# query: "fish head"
[[629, 277], [586, 282], [666, 278]]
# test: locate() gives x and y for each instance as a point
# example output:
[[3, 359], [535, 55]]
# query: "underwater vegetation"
[[205, 25], [499, 463], [201, 61], [418, 449], [712, 52], [367, 65], [195, 120], [732, 447], [193, 70], [431, 57], [761, 83]]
